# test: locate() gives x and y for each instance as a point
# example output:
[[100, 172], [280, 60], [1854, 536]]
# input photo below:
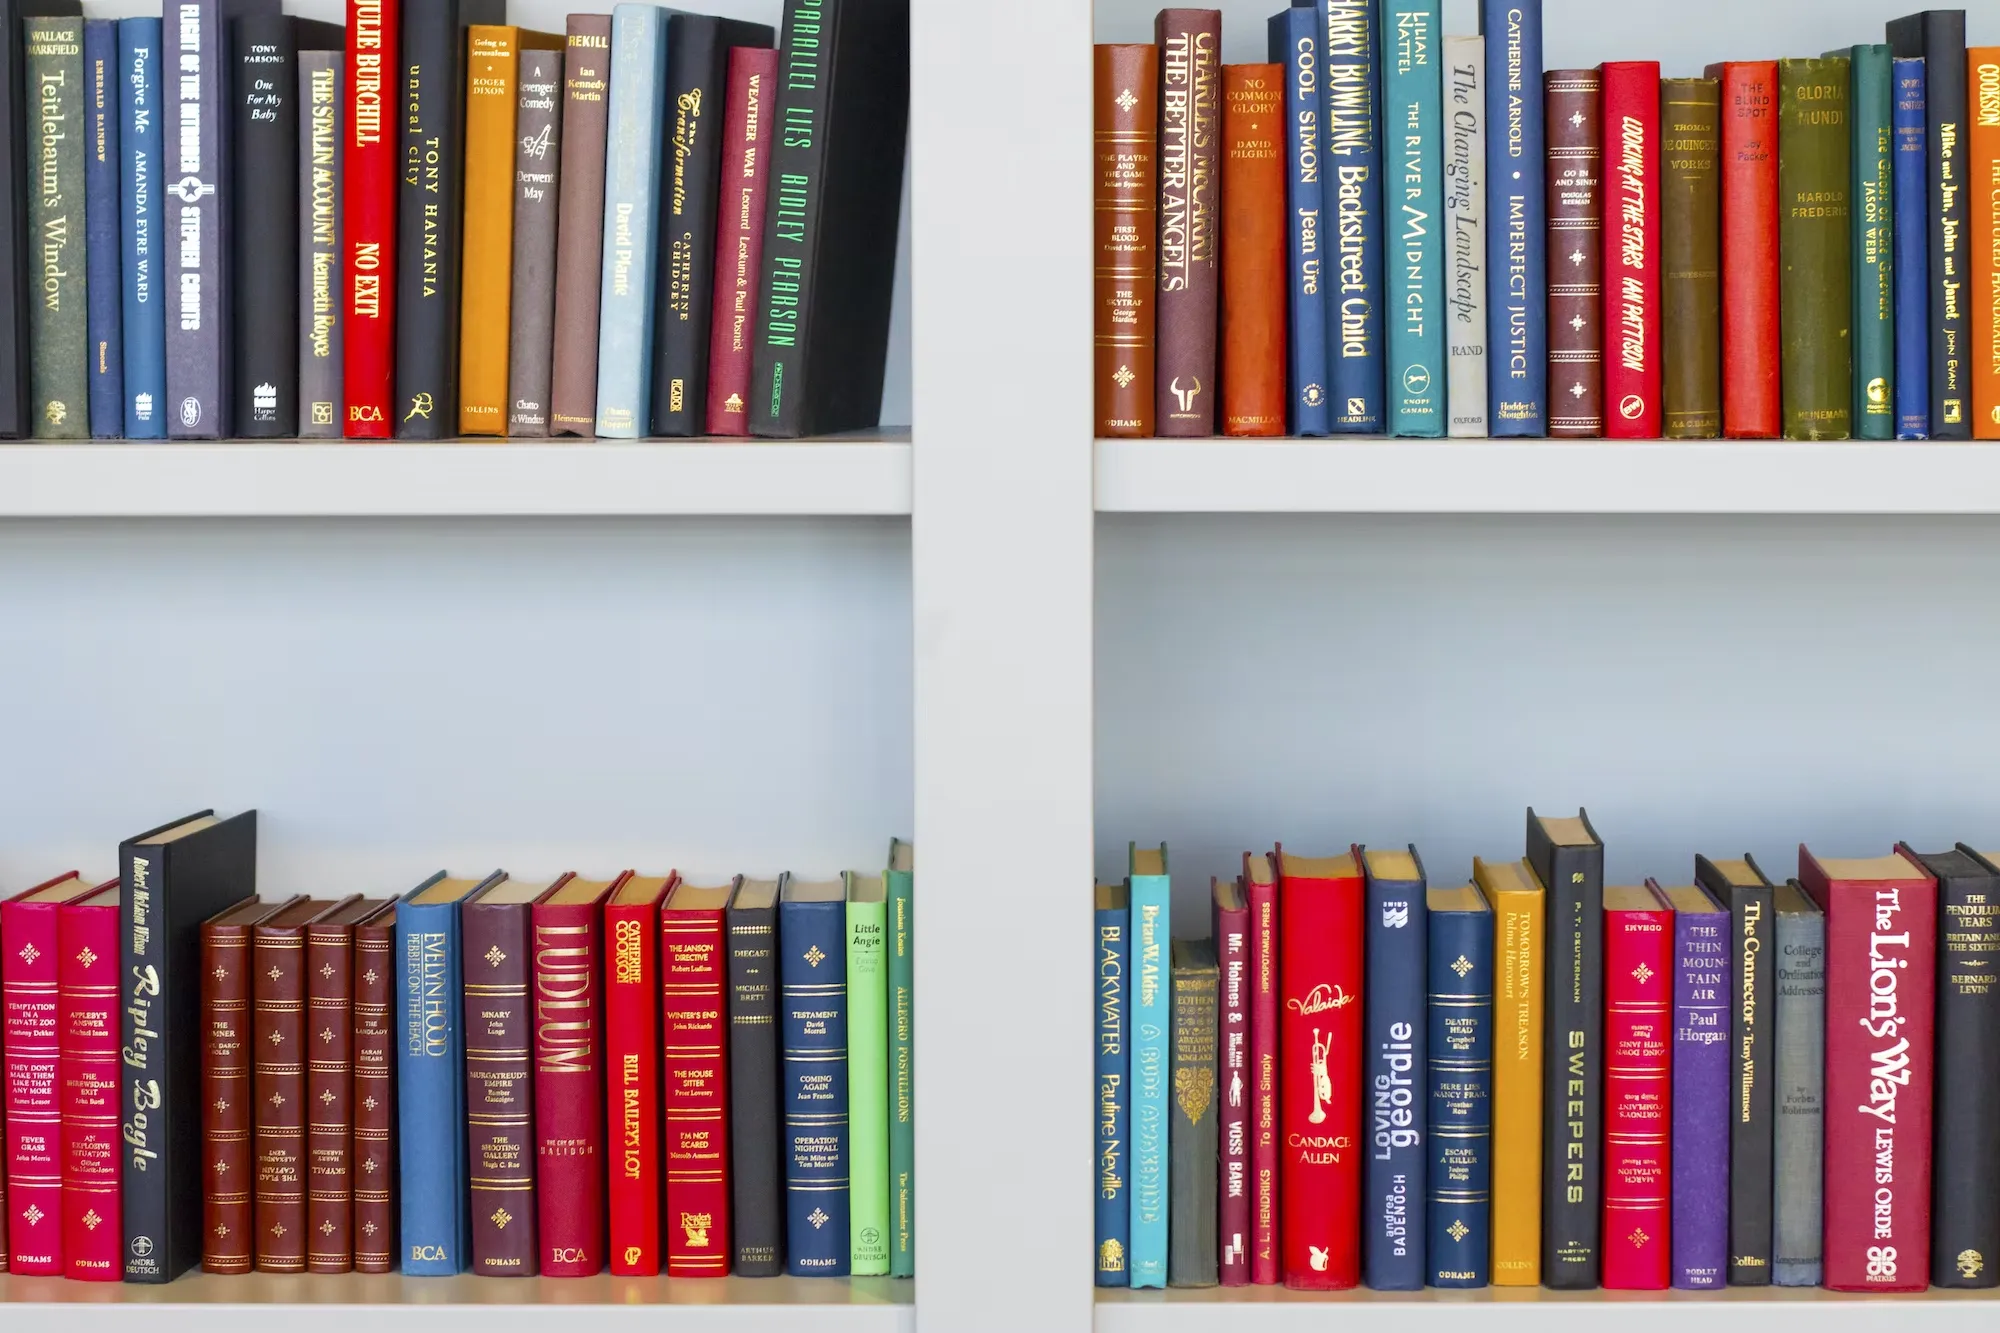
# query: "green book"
[[1872, 108], [59, 336], [868, 1073], [902, 1087], [1815, 175]]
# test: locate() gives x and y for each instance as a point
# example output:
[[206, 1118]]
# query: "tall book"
[[1190, 218], [758, 1154], [1458, 1085], [1395, 1072], [1254, 273], [319, 295], [1413, 198], [1320, 934], [1700, 1084], [87, 1073], [1574, 109], [635, 116], [632, 1072], [371, 161], [694, 976], [1937, 37], [739, 237], [568, 1015], [1149, 890], [1519, 921], [1691, 258], [171, 879], [1913, 253], [1113, 1214], [902, 1061], [1567, 856], [1753, 956], [1752, 397], [830, 229], [497, 966], [1230, 913], [60, 324], [1881, 959], [143, 322], [329, 1155], [375, 1046], [1191, 1255], [1293, 37], [228, 1222], [1638, 1087], [1815, 189], [1516, 273], [537, 168], [1632, 357], [812, 971], [868, 1073], [1799, 1058], [1871, 117], [1983, 218], [1260, 882], [102, 254], [1351, 214], [580, 224], [1465, 225], [20, 165]]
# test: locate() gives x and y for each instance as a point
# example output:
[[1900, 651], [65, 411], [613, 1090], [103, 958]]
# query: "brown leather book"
[[227, 1173], [1190, 42], [1255, 259], [580, 225], [375, 1092], [1126, 95], [1574, 109], [330, 1087], [1691, 250]]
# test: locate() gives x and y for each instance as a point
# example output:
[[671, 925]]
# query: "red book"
[[1752, 400], [370, 166], [694, 989], [1631, 237], [87, 1001], [1881, 953], [1262, 890], [739, 236], [1319, 1075], [1232, 951], [632, 1072], [569, 1078], [1638, 1088]]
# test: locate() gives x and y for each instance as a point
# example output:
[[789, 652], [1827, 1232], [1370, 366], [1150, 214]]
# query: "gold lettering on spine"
[[563, 1000]]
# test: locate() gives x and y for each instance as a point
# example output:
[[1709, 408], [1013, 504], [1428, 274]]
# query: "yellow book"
[[1519, 911]]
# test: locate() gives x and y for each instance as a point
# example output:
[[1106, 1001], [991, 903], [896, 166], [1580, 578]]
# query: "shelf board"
[[1377, 476], [850, 474]]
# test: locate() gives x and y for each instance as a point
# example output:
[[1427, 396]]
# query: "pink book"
[[1261, 885], [739, 236], [569, 1077], [87, 1013]]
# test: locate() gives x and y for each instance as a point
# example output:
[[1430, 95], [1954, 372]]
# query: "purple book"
[[1232, 948], [1701, 1090]]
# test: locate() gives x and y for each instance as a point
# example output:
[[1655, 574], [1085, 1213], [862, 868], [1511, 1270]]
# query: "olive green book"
[[868, 1074], [59, 336], [1815, 197], [1871, 109], [902, 1089]]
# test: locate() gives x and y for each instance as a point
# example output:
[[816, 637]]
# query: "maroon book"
[[1232, 951], [569, 1076], [1190, 175], [739, 236], [226, 1224], [375, 1093], [1576, 252], [1261, 888], [330, 1087]]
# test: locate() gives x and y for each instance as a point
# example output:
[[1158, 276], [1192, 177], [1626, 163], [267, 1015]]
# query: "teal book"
[[867, 1074], [1413, 213], [902, 1067], [58, 323], [1872, 113], [631, 218], [1152, 1008]]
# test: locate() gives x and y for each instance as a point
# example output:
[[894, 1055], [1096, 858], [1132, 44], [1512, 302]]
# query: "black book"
[[264, 97], [1746, 891], [172, 879], [16, 294], [1937, 37], [756, 1155], [836, 188], [1192, 1144], [430, 212], [1568, 857], [697, 77]]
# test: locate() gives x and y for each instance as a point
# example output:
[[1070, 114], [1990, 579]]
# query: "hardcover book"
[[902, 1061], [1191, 1258], [319, 295], [868, 1073], [1252, 216], [371, 162], [632, 1072], [1413, 161], [375, 1212], [1912, 231], [568, 1019], [1294, 45], [1700, 1085], [329, 1086], [1753, 954], [58, 225], [1983, 216], [1632, 359], [1638, 1087], [739, 238], [537, 165], [1871, 117], [1815, 185], [87, 1074], [1691, 258], [635, 115], [143, 321], [1351, 214], [1459, 1087], [1519, 912], [1230, 911], [1937, 37], [1190, 176], [694, 975], [580, 225], [1150, 893], [1516, 340], [1114, 1204], [1465, 234], [812, 968], [1261, 886], [1798, 1129], [1575, 117], [758, 1153], [228, 1222], [101, 214], [1395, 1073], [1752, 397]]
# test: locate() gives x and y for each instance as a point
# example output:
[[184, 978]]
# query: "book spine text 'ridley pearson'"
[[1516, 344], [1190, 176]]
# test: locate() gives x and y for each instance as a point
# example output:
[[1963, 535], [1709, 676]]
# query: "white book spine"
[[1465, 222]]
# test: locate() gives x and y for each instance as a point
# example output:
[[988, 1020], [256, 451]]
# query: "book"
[[1747, 893], [739, 237], [1230, 917], [1519, 921], [757, 1159], [1412, 120], [1351, 200], [57, 211], [1191, 1256], [868, 1072], [1191, 221], [102, 253], [1574, 111], [1871, 117], [532, 307], [1251, 208], [1260, 883], [228, 1103], [568, 1016], [1516, 340], [172, 879], [1395, 1072], [830, 228], [636, 112], [1632, 357], [143, 322], [1983, 218], [1691, 258], [1798, 1127], [632, 1072], [1149, 891], [1320, 904], [1459, 1087], [1465, 235], [1911, 227], [1113, 1215], [580, 224], [87, 1073], [694, 976], [371, 163], [319, 295], [1293, 44], [1937, 37], [1700, 1086], [1752, 378], [812, 971], [902, 1061], [1814, 183], [1881, 957], [497, 970], [1567, 857], [329, 1086], [1638, 1087], [375, 1201]]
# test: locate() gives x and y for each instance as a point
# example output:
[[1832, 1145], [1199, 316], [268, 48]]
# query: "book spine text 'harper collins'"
[[1252, 365], [693, 982], [1752, 397], [61, 337], [580, 225], [1294, 44], [1232, 1082], [1191, 1244], [1263, 896], [1516, 344], [531, 340], [499, 1089], [1701, 1100], [1798, 1128], [1632, 360], [632, 1082], [1114, 1204], [757, 1160], [1458, 1092], [1575, 117], [1413, 199], [1152, 1026], [739, 236], [868, 1080], [1351, 214], [1983, 220], [1814, 181], [1871, 117], [637, 110], [430, 1098], [320, 322], [1965, 1173], [87, 978], [374, 1094], [264, 217], [329, 1107], [1638, 1097], [1752, 1077], [1913, 253], [1396, 1070], [144, 325], [28, 981], [101, 224], [813, 968], [1691, 258], [1938, 37], [1465, 234], [369, 165], [1125, 214], [569, 1087], [1190, 176]]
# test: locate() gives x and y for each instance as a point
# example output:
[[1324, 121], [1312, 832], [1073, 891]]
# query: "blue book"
[[1351, 195], [1913, 254], [812, 1027], [102, 110], [1114, 1205], [1150, 896], [1413, 161], [1392, 1213], [1294, 39], [638, 109], [144, 330], [1517, 292], [1461, 1086], [430, 1077]]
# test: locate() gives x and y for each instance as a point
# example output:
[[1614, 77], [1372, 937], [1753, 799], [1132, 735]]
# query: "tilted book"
[[375, 1213], [1519, 912], [1700, 1147], [228, 1221], [1799, 1057], [694, 974], [1638, 1088], [739, 239], [143, 321], [1458, 1081], [1937, 37], [1632, 360], [101, 160], [758, 1155], [1294, 44], [1691, 258], [1413, 197], [1190, 177], [1752, 401], [1574, 102], [1151, 896], [371, 163], [1252, 215], [1871, 116], [329, 1155], [1912, 183], [320, 299], [902, 1061], [580, 225], [537, 170], [1395, 1073], [58, 225], [1753, 959], [1351, 214], [632, 1072], [637, 110], [1231, 917], [1113, 1213], [868, 1073], [1191, 1253], [812, 968], [568, 1015], [1261, 887], [1465, 223], [87, 1067], [1516, 341], [497, 967]]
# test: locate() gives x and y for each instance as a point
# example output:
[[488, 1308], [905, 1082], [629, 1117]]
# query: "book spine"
[[1700, 1089], [1814, 183], [428, 212], [632, 1079], [1393, 1230], [1638, 1099], [374, 1093], [1191, 1255], [329, 1169], [487, 236], [143, 326], [580, 225], [1114, 1203], [1252, 208], [1632, 362], [1465, 228], [28, 993], [693, 977], [1190, 43], [145, 1094], [1458, 1080], [1912, 265], [867, 1088], [1293, 44], [1798, 1128], [101, 227], [1752, 398], [1413, 163], [1752, 1016], [1947, 110], [1691, 258], [264, 208], [1518, 928], [1351, 213], [1516, 342], [1573, 1070], [631, 218], [1965, 1211], [739, 240], [757, 1162], [320, 324], [1872, 110], [199, 352], [1983, 221], [278, 1082], [16, 243], [499, 1030], [370, 163], [58, 221], [87, 979], [902, 1077], [1152, 1021], [227, 1102], [431, 1093], [813, 971], [1232, 1078], [1574, 112], [531, 341], [1263, 1083], [569, 1088], [1320, 936]]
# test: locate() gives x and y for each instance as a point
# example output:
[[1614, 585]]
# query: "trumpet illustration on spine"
[[1322, 1081]]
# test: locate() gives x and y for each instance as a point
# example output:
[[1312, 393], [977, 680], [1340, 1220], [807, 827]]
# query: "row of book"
[[479, 1075], [1387, 230], [431, 223], [1533, 1078]]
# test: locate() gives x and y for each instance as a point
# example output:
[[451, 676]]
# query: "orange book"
[[1983, 223], [1254, 217]]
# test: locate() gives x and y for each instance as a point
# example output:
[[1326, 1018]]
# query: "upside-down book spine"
[[372, 77], [1294, 45], [1516, 273], [1752, 392], [1351, 214], [329, 1155]]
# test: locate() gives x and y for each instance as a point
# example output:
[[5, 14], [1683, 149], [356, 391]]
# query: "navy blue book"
[[1351, 210], [430, 1077], [812, 1026], [1911, 182], [1114, 1204], [1461, 1086], [144, 321], [1295, 45], [1938, 37], [101, 114], [1517, 343], [1392, 1212]]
